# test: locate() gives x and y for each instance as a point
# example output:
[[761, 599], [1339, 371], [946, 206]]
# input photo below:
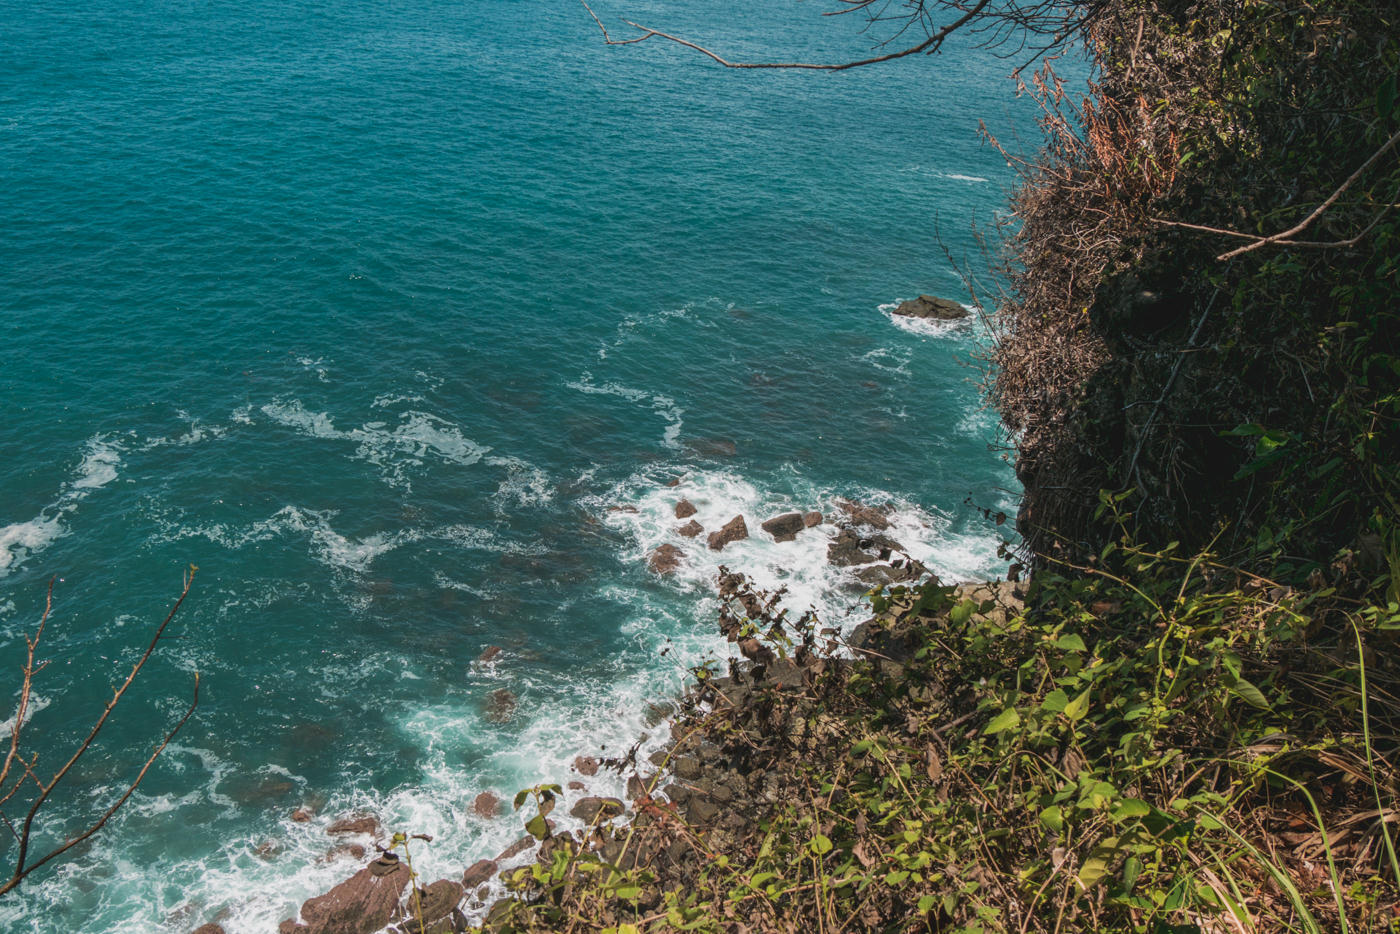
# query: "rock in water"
[[735, 530], [874, 516], [364, 824], [500, 706], [930, 306], [594, 807], [685, 509], [784, 528], [690, 529], [586, 765], [811, 519], [480, 871], [362, 904], [486, 804], [665, 559]]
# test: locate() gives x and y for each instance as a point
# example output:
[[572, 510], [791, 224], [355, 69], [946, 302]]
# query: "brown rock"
[[929, 306], [784, 528], [690, 529], [302, 815], [439, 900], [844, 551], [665, 559], [479, 872], [208, 929], [362, 904], [486, 805], [344, 851], [735, 530], [685, 509], [500, 706], [586, 765], [515, 849], [674, 481], [576, 786], [362, 824], [291, 927], [874, 516], [811, 519], [488, 654], [587, 809], [268, 850]]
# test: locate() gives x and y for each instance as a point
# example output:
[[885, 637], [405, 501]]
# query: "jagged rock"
[[860, 514], [488, 654], [486, 804], [208, 929], [636, 787], [811, 519], [585, 765], [930, 306], [673, 482], [291, 927], [690, 529], [784, 528], [687, 767], [515, 849], [594, 807], [701, 811], [500, 706], [438, 904], [685, 509], [362, 824], [478, 873], [735, 530], [844, 551], [665, 559], [268, 850], [345, 850], [302, 815], [362, 904]]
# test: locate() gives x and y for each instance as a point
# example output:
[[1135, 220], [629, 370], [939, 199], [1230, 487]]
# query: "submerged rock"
[[735, 530], [488, 654], [665, 559], [365, 823], [690, 529], [784, 528], [930, 306], [486, 804], [877, 517], [500, 706]]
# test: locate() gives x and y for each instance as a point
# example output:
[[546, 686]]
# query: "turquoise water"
[[396, 319]]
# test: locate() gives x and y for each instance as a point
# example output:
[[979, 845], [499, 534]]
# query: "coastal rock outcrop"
[[596, 808], [685, 509], [876, 517], [735, 530], [690, 529], [784, 528], [931, 306], [665, 559], [362, 904], [363, 824]]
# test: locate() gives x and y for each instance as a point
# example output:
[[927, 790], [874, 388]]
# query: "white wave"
[[101, 463], [36, 704], [524, 484], [889, 360], [662, 405]]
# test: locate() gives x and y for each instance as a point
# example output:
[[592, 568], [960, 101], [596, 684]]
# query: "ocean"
[[397, 319]]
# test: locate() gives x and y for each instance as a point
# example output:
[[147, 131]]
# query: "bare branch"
[[25, 687]]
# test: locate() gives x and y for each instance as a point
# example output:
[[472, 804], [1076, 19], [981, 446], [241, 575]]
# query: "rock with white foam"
[[784, 528], [665, 559], [735, 530], [931, 306]]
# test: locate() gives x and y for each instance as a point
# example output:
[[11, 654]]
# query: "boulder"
[[208, 929], [344, 851], [685, 509], [931, 306], [784, 528], [674, 482], [585, 765], [489, 654], [478, 873], [665, 559], [362, 824], [438, 903], [690, 529], [516, 848], [860, 514], [735, 530], [811, 519], [486, 805], [362, 904], [844, 550], [291, 927], [302, 815], [500, 706], [593, 807]]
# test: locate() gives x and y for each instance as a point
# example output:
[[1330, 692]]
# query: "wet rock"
[[811, 519], [930, 306], [844, 551], [876, 517], [622, 509], [438, 903], [268, 850], [690, 529], [674, 482], [489, 654], [665, 559], [515, 849], [208, 929], [687, 767], [586, 765], [702, 811], [587, 809], [685, 509], [500, 706], [362, 904], [784, 528], [479, 873], [636, 787], [576, 786], [344, 851], [735, 530], [486, 805], [302, 815], [362, 824], [291, 927]]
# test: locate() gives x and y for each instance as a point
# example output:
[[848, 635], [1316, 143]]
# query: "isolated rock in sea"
[[811, 519], [344, 851], [685, 509], [302, 815], [500, 706], [488, 654], [486, 804], [665, 559], [478, 872], [784, 528], [690, 529], [674, 482], [930, 306], [364, 823], [876, 517], [362, 904], [208, 929], [587, 809], [585, 765], [844, 550], [735, 530]]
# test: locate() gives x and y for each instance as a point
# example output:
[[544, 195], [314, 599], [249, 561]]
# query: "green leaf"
[[962, 612], [1077, 708], [1053, 818], [820, 844], [1055, 701], [537, 827], [629, 893], [926, 904], [896, 877], [1131, 807], [1071, 642], [1093, 871], [520, 797], [1003, 721], [1248, 693]]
